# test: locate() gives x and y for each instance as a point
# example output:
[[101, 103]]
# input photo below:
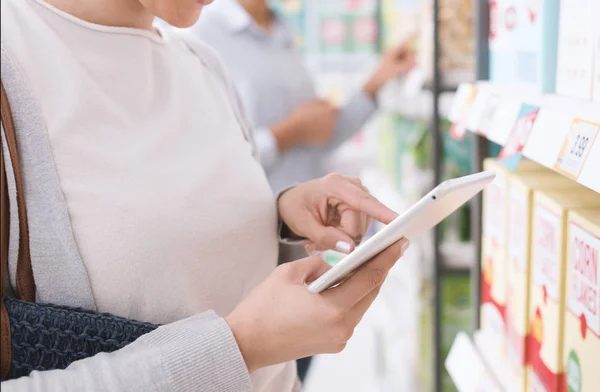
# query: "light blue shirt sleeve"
[[352, 116]]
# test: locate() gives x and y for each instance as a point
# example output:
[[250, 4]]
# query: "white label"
[[487, 117], [463, 95], [495, 200], [576, 147], [584, 273], [575, 49], [504, 120], [516, 228], [477, 111], [546, 251]]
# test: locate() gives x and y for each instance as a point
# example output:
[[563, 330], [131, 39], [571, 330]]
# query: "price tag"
[[576, 148]]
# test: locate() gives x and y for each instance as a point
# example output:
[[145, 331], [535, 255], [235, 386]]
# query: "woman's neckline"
[[157, 36]]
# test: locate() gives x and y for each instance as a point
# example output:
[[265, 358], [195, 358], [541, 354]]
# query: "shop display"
[[493, 258], [348, 26], [582, 318], [456, 316], [547, 286], [575, 48], [293, 11], [457, 45], [520, 207], [523, 43]]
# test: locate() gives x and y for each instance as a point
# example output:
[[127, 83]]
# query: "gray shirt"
[[270, 77]]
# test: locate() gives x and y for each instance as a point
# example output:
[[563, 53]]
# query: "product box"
[[547, 286], [493, 259], [520, 206], [574, 72], [523, 43], [582, 319]]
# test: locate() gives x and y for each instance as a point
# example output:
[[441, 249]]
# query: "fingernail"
[[405, 246], [343, 247]]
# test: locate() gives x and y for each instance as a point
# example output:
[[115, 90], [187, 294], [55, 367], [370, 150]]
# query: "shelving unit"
[[472, 364]]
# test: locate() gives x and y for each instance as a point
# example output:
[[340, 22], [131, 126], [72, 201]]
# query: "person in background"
[[295, 130]]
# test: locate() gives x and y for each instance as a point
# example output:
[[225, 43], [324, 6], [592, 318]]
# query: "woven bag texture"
[[48, 337]]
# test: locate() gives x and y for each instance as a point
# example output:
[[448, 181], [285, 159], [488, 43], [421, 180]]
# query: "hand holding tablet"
[[421, 217]]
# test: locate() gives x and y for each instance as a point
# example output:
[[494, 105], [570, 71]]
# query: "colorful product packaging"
[[494, 266], [547, 287], [582, 317], [520, 206], [574, 73], [523, 43]]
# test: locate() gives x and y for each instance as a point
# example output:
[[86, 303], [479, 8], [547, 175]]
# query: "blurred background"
[[402, 342], [476, 62]]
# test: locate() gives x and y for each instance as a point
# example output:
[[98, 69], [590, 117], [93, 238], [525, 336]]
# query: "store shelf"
[[492, 111], [468, 367], [395, 100]]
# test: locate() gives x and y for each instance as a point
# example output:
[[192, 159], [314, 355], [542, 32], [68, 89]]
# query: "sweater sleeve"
[[195, 354]]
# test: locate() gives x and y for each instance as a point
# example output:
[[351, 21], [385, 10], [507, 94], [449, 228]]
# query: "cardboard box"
[[582, 317], [547, 287], [574, 72], [523, 43], [520, 207], [493, 257]]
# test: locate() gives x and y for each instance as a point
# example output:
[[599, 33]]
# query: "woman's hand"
[[281, 321], [394, 62], [333, 212]]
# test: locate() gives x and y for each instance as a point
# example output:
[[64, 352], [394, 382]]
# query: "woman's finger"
[[360, 200], [352, 223], [329, 237]]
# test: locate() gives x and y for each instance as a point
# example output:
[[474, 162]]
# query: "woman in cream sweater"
[[146, 200]]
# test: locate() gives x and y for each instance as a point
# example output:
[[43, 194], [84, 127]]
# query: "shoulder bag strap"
[[25, 282], [4, 226]]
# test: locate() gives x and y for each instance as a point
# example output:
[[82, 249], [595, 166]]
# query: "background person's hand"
[[312, 123], [280, 320], [396, 61], [332, 212]]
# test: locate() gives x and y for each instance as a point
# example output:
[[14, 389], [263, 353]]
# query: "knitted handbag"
[[38, 336]]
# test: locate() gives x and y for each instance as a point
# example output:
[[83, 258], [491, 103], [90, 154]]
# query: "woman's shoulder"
[[207, 54]]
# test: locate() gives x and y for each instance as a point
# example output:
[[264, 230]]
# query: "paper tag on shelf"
[[463, 94], [477, 110], [492, 104], [503, 121], [512, 151], [459, 126], [576, 148]]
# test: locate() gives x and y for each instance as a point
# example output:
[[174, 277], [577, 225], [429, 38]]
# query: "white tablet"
[[421, 217]]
